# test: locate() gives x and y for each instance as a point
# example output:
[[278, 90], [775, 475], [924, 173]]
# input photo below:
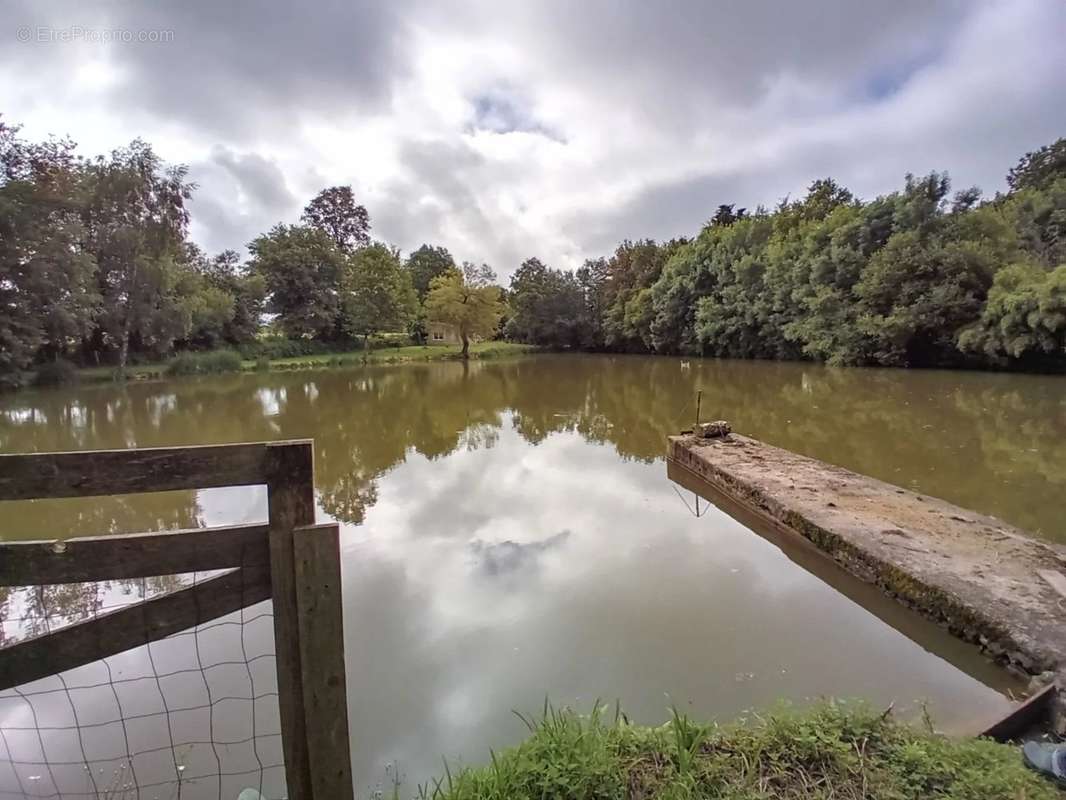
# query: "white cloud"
[[551, 129]]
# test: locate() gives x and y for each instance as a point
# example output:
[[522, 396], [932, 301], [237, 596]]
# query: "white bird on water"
[[684, 365]]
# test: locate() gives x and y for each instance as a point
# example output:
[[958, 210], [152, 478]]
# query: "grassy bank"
[[391, 355], [829, 751], [215, 362]]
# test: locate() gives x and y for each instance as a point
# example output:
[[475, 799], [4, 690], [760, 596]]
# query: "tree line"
[[911, 278], [96, 267]]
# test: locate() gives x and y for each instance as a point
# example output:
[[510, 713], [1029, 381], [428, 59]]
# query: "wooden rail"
[[289, 560], [135, 555], [131, 626], [149, 469]]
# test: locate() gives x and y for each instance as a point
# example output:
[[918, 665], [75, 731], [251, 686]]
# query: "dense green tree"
[[1024, 318], [685, 279], [593, 277], [914, 297], [248, 290], [726, 215], [547, 307], [1038, 219], [633, 268], [209, 304], [376, 293], [135, 220], [95, 264], [469, 300], [1039, 169], [335, 212], [425, 264], [48, 290], [302, 269]]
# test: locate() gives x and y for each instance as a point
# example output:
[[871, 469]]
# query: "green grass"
[[208, 363], [832, 750], [389, 355], [56, 373], [215, 361]]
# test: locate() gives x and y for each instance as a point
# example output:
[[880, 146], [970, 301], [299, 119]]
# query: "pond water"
[[510, 532]]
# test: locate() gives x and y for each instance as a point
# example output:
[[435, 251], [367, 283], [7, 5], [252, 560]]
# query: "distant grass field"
[[432, 352], [210, 362]]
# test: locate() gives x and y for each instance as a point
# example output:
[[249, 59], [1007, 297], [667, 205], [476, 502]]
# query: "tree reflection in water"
[[995, 443], [992, 442]]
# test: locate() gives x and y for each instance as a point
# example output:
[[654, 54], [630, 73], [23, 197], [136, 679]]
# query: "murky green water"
[[510, 531]]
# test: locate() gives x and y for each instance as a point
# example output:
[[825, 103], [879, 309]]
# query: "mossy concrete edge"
[[972, 574]]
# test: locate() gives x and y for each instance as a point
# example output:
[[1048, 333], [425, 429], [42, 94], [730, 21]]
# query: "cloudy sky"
[[552, 128]]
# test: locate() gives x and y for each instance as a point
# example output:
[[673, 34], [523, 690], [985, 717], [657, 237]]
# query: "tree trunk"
[[124, 346], [466, 345]]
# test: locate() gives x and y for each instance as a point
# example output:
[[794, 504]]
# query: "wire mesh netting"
[[192, 715]]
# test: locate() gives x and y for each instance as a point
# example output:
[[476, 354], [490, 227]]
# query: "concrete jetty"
[[984, 580]]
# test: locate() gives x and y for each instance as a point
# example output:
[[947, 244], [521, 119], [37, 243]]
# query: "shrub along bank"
[[831, 750]]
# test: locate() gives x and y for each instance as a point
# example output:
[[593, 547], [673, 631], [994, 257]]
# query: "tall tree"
[[248, 290], [377, 294], [631, 270], [425, 264], [48, 292], [1024, 318], [548, 307], [1041, 168], [593, 277], [469, 300], [136, 220], [208, 304], [725, 215], [335, 212], [302, 269]]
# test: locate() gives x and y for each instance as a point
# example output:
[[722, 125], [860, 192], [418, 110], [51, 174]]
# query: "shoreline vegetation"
[[218, 362], [96, 267], [832, 749]]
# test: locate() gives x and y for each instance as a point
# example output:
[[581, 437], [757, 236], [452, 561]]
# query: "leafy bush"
[[275, 347], [211, 362], [56, 373], [380, 342]]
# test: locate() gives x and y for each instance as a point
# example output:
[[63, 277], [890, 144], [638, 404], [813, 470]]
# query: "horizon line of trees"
[[911, 278], [96, 267]]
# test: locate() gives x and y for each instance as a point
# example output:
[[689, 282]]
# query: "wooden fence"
[[290, 560]]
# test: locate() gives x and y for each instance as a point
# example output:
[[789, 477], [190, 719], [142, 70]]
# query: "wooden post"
[[320, 612], [303, 580], [291, 503]]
